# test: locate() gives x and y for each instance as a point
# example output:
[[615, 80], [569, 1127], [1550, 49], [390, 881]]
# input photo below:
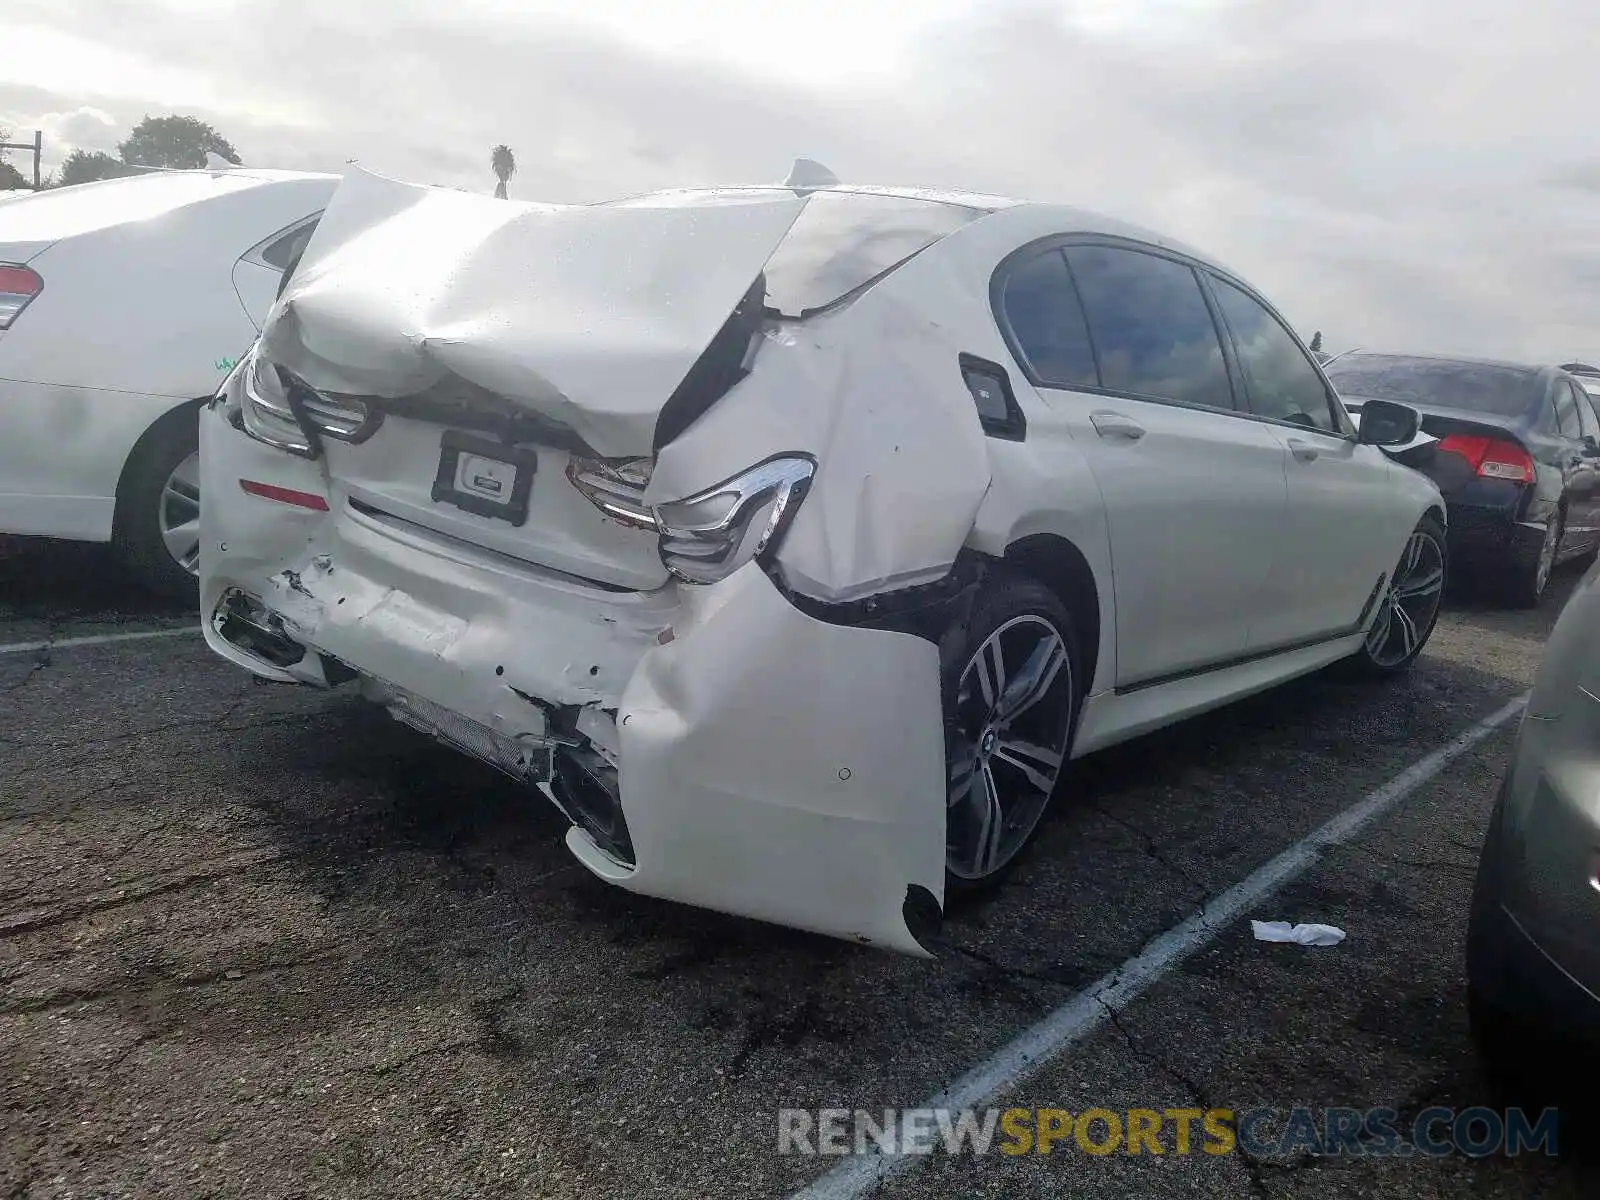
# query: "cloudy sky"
[[1411, 174]]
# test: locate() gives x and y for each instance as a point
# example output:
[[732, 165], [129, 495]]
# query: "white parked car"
[[802, 532], [123, 304]]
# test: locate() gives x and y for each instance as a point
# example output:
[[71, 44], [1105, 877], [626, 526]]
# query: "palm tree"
[[504, 165]]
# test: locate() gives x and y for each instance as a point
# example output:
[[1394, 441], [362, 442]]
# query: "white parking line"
[[98, 639], [980, 1087]]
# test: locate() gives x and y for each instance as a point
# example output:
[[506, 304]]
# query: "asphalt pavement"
[[257, 941]]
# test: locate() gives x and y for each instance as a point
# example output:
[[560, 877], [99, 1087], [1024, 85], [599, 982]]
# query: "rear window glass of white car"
[[282, 252], [1046, 322], [1283, 383], [1152, 331], [844, 240], [1505, 390]]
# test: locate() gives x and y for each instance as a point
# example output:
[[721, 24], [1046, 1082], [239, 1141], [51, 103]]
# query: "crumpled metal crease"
[[589, 315]]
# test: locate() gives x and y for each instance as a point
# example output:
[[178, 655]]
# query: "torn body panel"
[[737, 789], [786, 769], [874, 392]]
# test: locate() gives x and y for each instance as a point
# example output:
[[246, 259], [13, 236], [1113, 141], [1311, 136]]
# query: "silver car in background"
[[1533, 938]]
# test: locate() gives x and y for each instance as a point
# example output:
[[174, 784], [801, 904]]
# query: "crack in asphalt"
[[143, 984], [1008, 970], [497, 1039], [1153, 851], [40, 664], [1461, 870], [335, 950], [107, 899], [405, 1060], [1255, 1168], [767, 1029], [168, 727]]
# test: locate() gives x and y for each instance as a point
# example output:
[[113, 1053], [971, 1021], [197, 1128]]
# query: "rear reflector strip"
[[283, 495]]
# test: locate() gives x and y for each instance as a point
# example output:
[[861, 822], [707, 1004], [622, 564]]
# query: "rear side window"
[[1284, 385], [1589, 403], [282, 252], [1586, 417], [1151, 329], [1041, 308], [1566, 410]]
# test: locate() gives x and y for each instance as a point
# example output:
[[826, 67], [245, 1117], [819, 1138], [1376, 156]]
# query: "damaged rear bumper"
[[764, 763]]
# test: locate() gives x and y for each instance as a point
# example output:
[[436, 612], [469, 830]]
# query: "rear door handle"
[[1115, 425], [1304, 451]]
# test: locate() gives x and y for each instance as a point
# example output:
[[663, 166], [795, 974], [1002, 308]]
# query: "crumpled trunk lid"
[[589, 316]]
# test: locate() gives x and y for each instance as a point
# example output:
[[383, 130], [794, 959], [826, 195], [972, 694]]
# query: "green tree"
[[504, 165], [181, 142], [86, 166], [10, 177]]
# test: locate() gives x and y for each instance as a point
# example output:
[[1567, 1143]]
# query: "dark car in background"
[[1517, 459]]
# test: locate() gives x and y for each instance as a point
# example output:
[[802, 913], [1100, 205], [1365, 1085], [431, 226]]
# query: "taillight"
[[616, 488], [1491, 458], [708, 536], [18, 286]]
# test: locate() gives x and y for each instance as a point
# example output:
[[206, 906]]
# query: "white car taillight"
[[18, 286], [264, 405], [262, 391], [616, 488], [710, 535]]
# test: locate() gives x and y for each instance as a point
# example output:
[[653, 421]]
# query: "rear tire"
[[154, 507], [1012, 682], [1530, 573]]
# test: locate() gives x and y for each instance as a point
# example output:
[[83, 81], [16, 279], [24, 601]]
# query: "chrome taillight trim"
[[343, 417], [293, 415], [610, 489], [718, 545]]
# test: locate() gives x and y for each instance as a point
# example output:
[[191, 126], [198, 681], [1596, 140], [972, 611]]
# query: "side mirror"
[[1384, 423]]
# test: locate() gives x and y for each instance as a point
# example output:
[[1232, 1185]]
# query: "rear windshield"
[[1475, 387]]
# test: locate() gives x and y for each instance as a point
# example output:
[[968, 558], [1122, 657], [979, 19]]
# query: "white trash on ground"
[[1303, 935]]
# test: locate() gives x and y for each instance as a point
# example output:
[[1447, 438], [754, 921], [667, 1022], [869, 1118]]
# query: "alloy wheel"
[[179, 516], [1411, 603], [1007, 743]]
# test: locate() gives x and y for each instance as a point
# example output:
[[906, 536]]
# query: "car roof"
[[57, 213], [1063, 218]]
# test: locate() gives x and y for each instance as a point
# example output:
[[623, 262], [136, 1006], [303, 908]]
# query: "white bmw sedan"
[[123, 304], [796, 536]]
